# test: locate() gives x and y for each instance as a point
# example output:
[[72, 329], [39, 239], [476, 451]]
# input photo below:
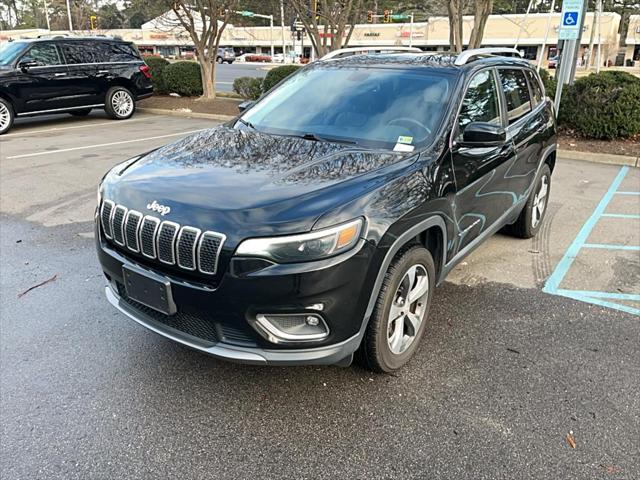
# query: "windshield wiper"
[[320, 138], [248, 124]]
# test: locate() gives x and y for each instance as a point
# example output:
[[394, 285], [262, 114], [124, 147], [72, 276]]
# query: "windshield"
[[9, 51], [372, 107]]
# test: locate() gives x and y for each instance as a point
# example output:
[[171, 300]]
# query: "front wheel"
[[530, 220], [7, 116], [400, 316], [119, 103]]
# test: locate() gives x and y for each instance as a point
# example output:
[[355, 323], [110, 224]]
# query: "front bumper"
[[224, 312], [327, 355]]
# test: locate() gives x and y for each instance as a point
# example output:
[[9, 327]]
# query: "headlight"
[[305, 247]]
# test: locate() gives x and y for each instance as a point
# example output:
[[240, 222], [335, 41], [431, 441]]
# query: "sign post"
[[571, 25]]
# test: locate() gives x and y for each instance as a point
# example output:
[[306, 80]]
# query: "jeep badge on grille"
[[156, 207]]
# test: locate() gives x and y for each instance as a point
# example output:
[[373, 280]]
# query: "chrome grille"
[[105, 217], [132, 223], [148, 236], [117, 224], [186, 249], [210, 242], [168, 242]]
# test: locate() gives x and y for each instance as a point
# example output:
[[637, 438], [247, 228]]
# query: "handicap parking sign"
[[570, 19]]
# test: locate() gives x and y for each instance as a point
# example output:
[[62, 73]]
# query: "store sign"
[[371, 34], [409, 34]]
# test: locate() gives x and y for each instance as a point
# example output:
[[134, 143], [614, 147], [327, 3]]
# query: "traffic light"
[[93, 22], [369, 16], [387, 16]]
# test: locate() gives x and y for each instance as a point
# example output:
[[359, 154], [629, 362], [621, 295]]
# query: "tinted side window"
[[536, 90], [116, 52], [44, 54], [480, 103], [516, 93], [78, 52]]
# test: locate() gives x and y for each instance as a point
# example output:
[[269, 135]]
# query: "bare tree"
[[329, 27], [481, 14], [204, 21], [455, 9]]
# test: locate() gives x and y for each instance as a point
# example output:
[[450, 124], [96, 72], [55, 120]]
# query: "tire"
[[115, 102], [389, 343], [81, 113], [7, 116], [527, 225]]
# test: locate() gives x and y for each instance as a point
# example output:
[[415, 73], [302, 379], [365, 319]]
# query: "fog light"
[[291, 328]]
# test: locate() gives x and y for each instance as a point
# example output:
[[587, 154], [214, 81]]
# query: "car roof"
[[439, 60], [57, 38]]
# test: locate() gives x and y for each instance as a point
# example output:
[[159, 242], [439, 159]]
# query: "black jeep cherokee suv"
[[70, 75], [319, 222]]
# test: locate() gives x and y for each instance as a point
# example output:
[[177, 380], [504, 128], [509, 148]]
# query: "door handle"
[[103, 72], [59, 74]]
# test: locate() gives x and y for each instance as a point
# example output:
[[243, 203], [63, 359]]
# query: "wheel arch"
[[430, 233]]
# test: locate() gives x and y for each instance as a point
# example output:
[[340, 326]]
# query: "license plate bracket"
[[149, 289]]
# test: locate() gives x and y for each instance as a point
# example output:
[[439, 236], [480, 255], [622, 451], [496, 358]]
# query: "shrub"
[[604, 105], [156, 68], [183, 78], [248, 87], [275, 75], [549, 83], [257, 58]]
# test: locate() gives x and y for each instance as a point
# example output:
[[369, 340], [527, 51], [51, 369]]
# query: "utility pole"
[[546, 34], [46, 14], [69, 16], [411, 31], [271, 33], [599, 56], [284, 47]]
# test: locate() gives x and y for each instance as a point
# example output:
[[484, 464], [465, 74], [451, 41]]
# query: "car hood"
[[245, 183]]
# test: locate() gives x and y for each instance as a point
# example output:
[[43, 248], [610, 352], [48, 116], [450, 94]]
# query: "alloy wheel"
[[540, 202], [408, 309], [5, 116], [122, 103]]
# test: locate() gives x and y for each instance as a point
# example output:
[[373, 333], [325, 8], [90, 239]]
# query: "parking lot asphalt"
[[505, 373]]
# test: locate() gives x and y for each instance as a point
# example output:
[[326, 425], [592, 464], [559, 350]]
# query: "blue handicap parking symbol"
[[570, 19]]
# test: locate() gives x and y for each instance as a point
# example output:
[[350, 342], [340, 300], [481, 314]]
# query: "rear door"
[[526, 121], [82, 58], [483, 193], [44, 86]]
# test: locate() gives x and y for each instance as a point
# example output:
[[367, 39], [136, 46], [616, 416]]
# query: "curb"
[[599, 158], [562, 154], [178, 113]]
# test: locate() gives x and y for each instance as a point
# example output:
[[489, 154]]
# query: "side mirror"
[[26, 63], [482, 134], [247, 104]]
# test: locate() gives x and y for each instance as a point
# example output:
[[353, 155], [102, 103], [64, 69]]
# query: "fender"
[[435, 221]]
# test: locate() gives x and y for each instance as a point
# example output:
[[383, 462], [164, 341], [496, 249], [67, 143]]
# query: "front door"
[[45, 85], [483, 192]]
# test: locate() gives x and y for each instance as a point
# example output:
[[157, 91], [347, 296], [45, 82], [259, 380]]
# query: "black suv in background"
[[70, 75], [318, 223]]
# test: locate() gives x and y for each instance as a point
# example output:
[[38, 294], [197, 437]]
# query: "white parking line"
[[100, 145], [56, 129]]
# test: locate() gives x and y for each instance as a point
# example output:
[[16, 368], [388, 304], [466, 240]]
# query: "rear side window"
[[78, 52], [44, 54], [536, 90], [480, 103], [116, 52], [516, 92]]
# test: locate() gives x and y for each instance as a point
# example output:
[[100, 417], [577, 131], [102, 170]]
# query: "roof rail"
[[467, 55], [343, 52]]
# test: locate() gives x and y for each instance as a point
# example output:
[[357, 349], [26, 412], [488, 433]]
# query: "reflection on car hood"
[[255, 177]]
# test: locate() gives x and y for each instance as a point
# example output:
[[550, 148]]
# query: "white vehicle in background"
[[292, 57]]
